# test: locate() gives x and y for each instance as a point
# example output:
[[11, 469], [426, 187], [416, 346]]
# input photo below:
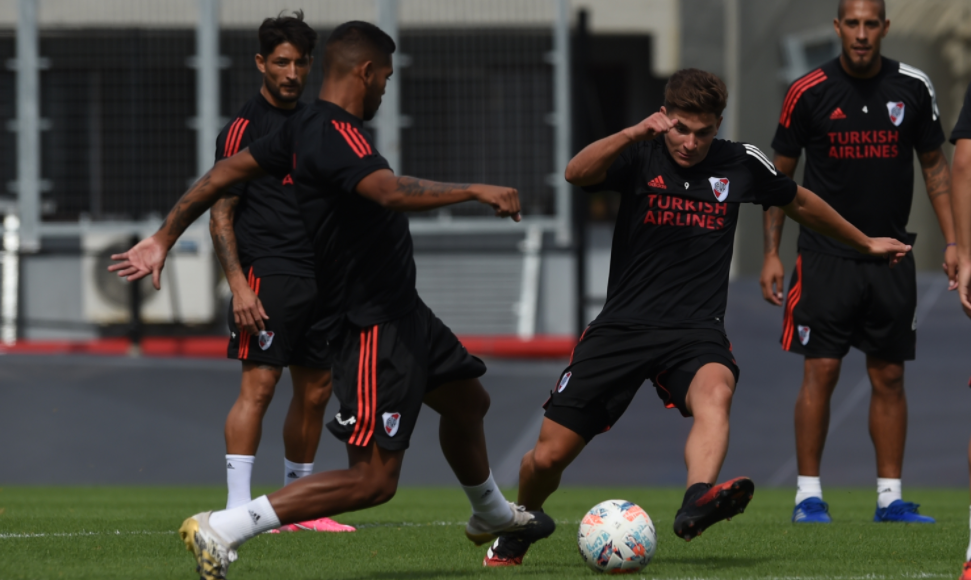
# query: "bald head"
[[354, 43], [882, 6]]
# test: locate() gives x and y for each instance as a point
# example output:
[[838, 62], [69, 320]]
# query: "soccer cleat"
[[506, 552], [811, 510], [901, 511], [529, 526], [212, 555], [966, 574], [318, 525], [721, 502]]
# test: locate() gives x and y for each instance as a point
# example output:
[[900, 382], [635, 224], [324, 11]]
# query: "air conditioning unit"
[[188, 293]]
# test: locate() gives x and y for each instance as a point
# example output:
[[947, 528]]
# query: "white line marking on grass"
[[787, 471], [80, 534]]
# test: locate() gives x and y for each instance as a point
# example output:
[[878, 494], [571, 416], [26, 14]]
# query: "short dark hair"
[[354, 40], [841, 9], [275, 31], [695, 91]]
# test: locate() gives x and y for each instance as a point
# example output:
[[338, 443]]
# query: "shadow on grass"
[[711, 561]]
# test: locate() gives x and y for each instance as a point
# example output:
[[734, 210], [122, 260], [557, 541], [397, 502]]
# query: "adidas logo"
[[837, 114], [293, 475], [657, 183], [230, 466], [255, 517], [487, 492]]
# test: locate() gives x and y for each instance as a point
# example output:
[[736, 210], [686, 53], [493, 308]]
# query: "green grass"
[[129, 533]]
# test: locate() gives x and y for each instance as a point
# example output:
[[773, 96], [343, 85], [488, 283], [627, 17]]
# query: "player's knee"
[[317, 397], [714, 399], [258, 396], [373, 488], [550, 458]]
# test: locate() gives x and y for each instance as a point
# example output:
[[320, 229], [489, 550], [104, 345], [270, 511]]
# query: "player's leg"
[[823, 309], [966, 575], [711, 386], [244, 427], [370, 479], [543, 466]]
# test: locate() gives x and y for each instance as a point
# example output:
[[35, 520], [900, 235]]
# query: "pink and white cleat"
[[318, 525]]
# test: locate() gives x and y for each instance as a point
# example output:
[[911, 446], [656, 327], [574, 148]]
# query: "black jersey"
[[962, 129], [672, 246], [859, 136], [270, 234], [363, 252]]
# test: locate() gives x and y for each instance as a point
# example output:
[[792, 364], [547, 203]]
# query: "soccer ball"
[[617, 537]]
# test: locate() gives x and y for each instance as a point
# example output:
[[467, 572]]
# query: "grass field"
[[129, 533]]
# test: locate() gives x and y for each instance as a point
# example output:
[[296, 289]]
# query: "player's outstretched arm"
[[961, 205], [937, 177], [811, 211], [403, 193], [589, 166], [773, 273], [148, 256], [248, 313]]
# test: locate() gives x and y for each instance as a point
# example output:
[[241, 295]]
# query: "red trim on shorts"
[[584, 333], [657, 382], [795, 293], [367, 388], [242, 352]]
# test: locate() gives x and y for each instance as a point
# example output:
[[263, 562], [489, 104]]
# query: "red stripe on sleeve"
[[795, 93], [230, 137], [361, 139], [347, 137], [795, 89], [239, 137]]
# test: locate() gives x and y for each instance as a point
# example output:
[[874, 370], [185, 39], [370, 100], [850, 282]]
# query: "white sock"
[[239, 471], [488, 502], [807, 487], [967, 557], [888, 491], [241, 523], [294, 471]]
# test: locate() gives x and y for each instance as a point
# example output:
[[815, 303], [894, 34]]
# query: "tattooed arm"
[[148, 256], [248, 310], [937, 176], [402, 193], [773, 273]]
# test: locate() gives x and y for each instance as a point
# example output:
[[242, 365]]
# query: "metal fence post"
[[28, 126], [207, 84], [388, 119], [562, 115]]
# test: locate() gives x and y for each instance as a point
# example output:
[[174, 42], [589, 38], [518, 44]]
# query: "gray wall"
[[764, 23]]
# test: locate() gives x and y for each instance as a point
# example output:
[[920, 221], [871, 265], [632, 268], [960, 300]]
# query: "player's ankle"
[[488, 503], [241, 523], [808, 486], [889, 490]]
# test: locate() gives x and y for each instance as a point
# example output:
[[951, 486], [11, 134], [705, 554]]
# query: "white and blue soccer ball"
[[617, 537]]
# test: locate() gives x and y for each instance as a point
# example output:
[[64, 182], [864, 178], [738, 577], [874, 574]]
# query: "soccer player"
[[391, 353], [859, 117], [666, 295], [961, 204], [264, 250]]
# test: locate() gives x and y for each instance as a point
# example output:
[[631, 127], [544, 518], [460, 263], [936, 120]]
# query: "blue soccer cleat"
[[901, 511], [811, 510]]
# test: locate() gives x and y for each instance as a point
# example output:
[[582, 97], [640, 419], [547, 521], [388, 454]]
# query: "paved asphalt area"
[[87, 420]]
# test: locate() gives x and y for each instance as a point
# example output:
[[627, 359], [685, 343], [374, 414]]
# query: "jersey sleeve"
[[929, 134], [962, 129], [795, 121], [234, 137], [274, 152], [621, 175], [348, 155], [770, 187]]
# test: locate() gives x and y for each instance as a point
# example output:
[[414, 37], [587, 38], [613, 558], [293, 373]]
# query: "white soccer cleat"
[[212, 554]]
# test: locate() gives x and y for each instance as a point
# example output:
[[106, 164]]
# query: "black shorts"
[[834, 303], [381, 374], [294, 334], [610, 363]]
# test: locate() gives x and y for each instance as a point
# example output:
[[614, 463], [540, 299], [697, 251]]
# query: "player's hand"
[[950, 266], [964, 285], [651, 127], [504, 200], [144, 258], [248, 313], [772, 279], [893, 250]]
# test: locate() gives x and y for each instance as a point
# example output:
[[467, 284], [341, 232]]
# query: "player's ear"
[[260, 63], [664, 110], [836, 27], [718, 123], [886, 28]]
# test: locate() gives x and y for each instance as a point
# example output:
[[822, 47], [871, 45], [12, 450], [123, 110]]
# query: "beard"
[[282, 97], [860, 67]]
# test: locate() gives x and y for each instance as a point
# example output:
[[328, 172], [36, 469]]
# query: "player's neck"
[[868, 73], [344, 95], [274, 102]]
